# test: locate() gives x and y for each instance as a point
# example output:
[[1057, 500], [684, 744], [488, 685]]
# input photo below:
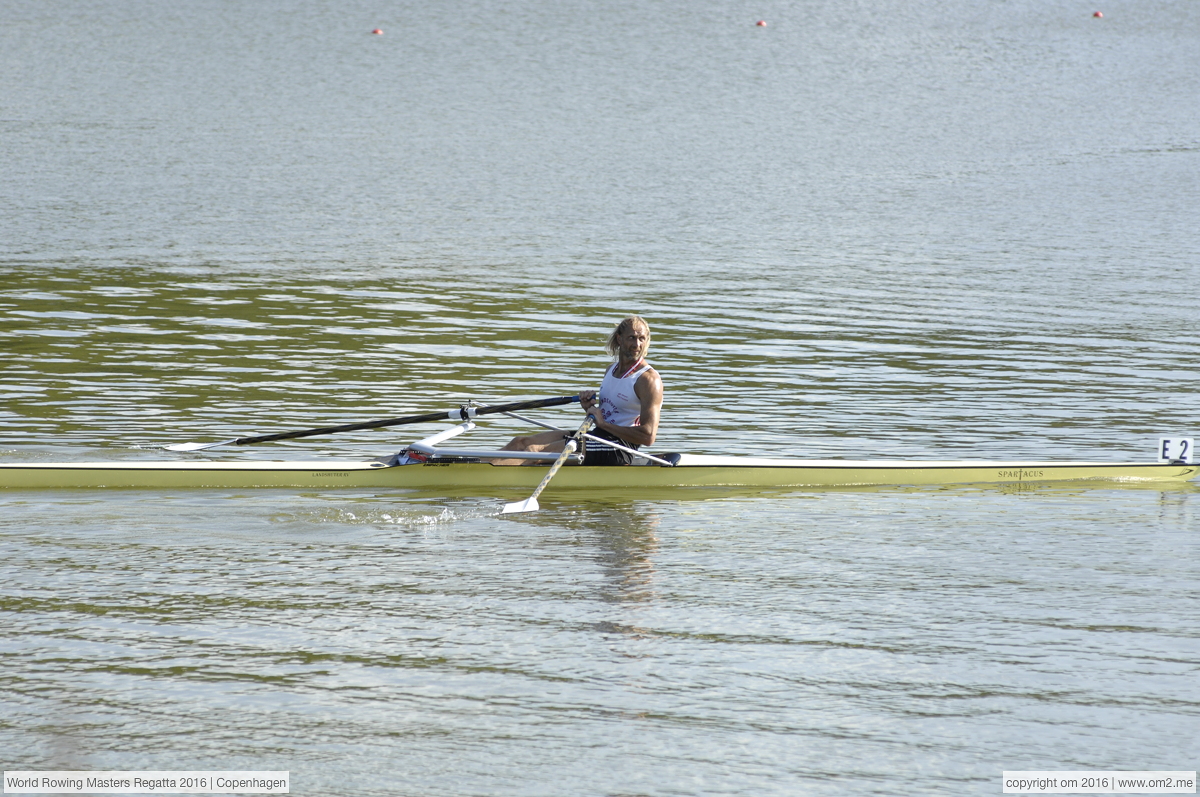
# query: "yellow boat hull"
[[692, 471]]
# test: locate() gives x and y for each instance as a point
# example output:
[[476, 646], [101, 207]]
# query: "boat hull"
[[692, 471]]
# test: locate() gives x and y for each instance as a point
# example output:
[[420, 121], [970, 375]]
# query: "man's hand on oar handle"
[[590, 402]]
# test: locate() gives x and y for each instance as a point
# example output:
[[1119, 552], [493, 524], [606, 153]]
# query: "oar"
[[460, 414], [530, 504]]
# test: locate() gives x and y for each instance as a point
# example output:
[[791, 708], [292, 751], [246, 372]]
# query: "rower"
[[625, 409]]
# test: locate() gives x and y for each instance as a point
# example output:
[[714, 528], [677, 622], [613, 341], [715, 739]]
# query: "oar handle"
[[460, 414]]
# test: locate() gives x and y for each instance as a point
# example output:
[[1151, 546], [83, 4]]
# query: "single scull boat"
[[424, 465], [689, 470]]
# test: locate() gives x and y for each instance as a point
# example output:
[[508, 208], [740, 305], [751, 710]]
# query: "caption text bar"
[[1063, 782], [147, 782]]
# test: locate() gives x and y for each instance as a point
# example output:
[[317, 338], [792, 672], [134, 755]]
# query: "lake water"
[[894, 230]]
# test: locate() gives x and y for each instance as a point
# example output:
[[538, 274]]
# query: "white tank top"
[[618, 402]]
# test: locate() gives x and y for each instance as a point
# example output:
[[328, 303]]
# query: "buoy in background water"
[[1098, 15], [762, 23], [378, 31]]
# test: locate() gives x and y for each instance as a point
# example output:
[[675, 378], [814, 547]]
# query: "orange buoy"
[[762, 23], [1098, 15], [378, 31]]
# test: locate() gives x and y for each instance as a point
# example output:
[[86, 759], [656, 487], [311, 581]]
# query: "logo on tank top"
[[618, 400]]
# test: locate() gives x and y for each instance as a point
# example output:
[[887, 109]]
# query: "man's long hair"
[[614, 340]]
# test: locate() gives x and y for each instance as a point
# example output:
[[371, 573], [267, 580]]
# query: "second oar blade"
[[198, 446]]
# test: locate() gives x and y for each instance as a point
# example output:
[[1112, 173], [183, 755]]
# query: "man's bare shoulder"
[[651, 379]]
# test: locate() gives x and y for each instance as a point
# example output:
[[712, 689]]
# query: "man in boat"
[[625, 408]]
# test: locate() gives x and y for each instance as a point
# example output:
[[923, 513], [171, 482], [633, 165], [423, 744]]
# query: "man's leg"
[[550, 442]]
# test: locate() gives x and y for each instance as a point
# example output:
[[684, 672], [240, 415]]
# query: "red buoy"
[[378, 31], [1098, 15], [762, 23]]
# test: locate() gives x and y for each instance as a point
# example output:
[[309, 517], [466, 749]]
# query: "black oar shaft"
[[462, 414]]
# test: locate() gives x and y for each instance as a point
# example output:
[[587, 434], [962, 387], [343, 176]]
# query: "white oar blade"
[[197, 446], [528, 505]]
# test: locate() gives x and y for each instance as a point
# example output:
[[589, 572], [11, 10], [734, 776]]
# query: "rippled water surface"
[[898, 230]]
